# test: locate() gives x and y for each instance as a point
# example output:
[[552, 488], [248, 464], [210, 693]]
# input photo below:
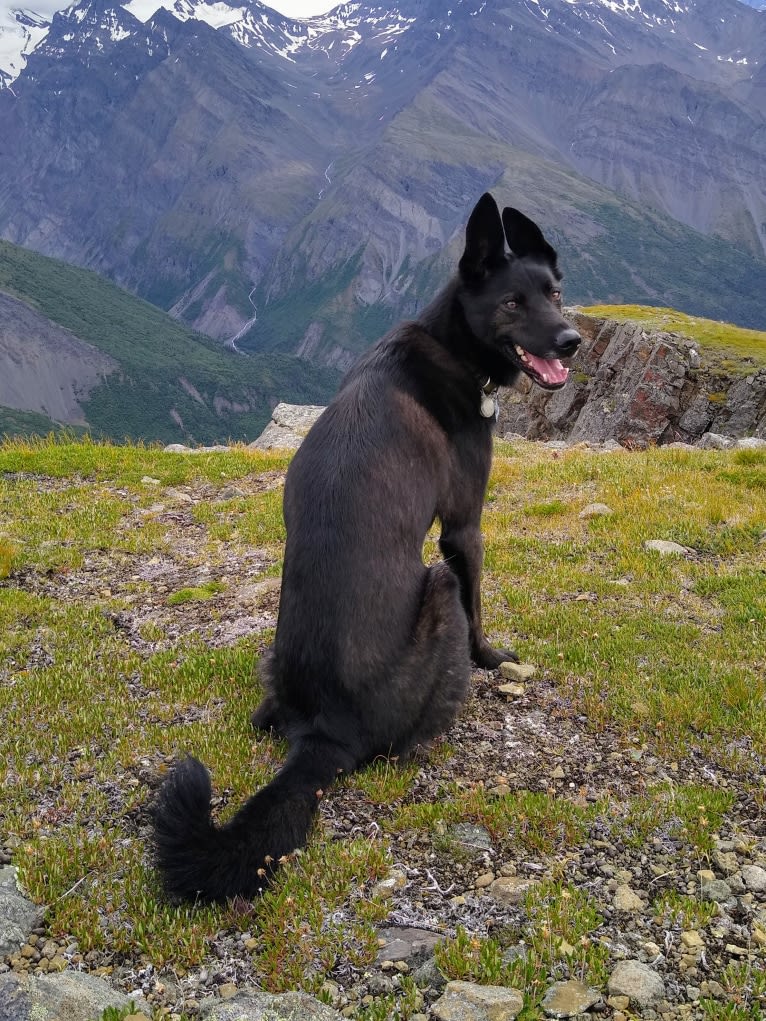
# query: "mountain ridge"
[[316, 171]]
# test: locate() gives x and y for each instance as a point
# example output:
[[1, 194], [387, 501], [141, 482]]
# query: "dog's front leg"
[[463, 550]]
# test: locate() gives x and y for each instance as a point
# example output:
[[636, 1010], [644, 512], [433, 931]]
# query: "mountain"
[[299, 185], [78, 351]]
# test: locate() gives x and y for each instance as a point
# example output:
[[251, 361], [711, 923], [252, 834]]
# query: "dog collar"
[[488, 407]]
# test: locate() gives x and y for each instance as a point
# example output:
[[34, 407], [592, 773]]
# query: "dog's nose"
[[567, 341]]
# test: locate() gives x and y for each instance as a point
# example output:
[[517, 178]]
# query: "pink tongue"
[[552, 368]]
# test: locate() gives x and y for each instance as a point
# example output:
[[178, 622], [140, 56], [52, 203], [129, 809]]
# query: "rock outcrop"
[[637, 387]]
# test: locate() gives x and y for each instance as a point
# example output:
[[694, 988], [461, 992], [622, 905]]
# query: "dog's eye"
[[511, 303], [556, 295]]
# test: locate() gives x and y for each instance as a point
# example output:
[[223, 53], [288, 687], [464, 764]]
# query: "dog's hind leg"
[[436, 671]]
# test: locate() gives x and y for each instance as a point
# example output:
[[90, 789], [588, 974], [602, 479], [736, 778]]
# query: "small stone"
[[395, 880], [227, 990], [638, 981], [465, 1001], [619, 1002], [595, 510], [755, 878], [714, 441], [250, 944], [651, 950], [518, 671], [470, 835], [149, 481], [665, 548], [692, 940], [716, 890], [705, 876], [758, 934], [558, 773], [57, 963], [626, 899], [565, 999], [511, 889], [512, 690], [402, 967], [485, 879], [726, 861], [735, 951]]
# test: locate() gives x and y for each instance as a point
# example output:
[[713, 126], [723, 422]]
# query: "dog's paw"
[[487, 658]]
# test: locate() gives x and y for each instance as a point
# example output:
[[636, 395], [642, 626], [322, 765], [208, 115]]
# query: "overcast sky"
[[293, 8]]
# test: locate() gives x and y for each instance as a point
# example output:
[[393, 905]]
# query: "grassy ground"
[[138, 589]]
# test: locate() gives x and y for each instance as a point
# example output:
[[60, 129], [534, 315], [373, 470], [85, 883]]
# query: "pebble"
[[717, 890], [466, 1001], [518, 671], [512, 690], [566, 999], [692, 940], [595, 510], [626, 899], [395, 880], [511, 889], [665, 548], [754, 878], [638, 981]]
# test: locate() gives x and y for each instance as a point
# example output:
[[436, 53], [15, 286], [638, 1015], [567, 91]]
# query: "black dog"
[[373, 649]]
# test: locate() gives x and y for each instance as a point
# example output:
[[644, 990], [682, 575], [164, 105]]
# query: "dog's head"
[[512, 303]]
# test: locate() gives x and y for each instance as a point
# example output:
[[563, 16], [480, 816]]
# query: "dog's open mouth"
[[548, 373]]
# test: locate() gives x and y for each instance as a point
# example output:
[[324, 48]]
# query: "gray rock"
[[69, 996], [18, 915], [714, 441], [470, 835], [179, 448], [641, 983], [288, 426], [565, 999], [256, 1006], [406, 944], [595, 510], [717, 890], [465, 1001], [750, 443], [511, 889], [428, 976], [518, 671], [665, 547], [626, 900], [755, 878]]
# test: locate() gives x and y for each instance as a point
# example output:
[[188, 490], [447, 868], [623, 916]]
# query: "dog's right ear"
[[484, 240]]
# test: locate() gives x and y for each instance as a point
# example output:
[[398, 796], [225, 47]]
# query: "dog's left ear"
[[525, 238], [484, 240]]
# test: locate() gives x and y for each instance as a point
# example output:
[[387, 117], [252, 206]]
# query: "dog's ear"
[[525, 237], [484, 239]]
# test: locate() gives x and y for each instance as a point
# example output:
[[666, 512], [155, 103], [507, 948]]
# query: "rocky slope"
[[304, 178], [640, 387]]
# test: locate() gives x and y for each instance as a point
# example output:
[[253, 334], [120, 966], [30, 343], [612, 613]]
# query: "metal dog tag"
[[487, 408]]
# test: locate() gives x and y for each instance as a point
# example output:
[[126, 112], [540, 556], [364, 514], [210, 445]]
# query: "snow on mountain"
[[20, 32], [334, 35]]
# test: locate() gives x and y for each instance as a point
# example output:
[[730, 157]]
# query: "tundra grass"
[[672, 648]]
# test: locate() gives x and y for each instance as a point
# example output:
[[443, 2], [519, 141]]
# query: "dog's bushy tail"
[[199, 860]]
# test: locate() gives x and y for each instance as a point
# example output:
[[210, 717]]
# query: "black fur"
[[372, 651]]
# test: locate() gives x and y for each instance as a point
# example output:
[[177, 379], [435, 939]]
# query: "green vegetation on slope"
[[734, 341], [214, 394]]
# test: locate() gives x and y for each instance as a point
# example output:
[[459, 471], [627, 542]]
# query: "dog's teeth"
[[520, 352], [545, 378]]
